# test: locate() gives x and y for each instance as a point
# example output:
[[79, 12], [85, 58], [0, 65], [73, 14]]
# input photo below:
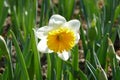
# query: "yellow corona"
[[61, 39]]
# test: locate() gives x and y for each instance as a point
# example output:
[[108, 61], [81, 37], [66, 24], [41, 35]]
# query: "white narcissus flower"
[[58, 36]]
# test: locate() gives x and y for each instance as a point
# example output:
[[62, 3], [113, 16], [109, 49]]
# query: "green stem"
[[49, 67], [75, 62], [59, 63]]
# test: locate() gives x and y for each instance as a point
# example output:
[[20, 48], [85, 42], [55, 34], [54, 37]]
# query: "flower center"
[[61, 39]]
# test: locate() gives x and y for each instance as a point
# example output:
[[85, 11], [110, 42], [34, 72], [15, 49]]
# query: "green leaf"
[[37, 64], [5, 74], [45, 12], [52, 67], [3, 15], [101, 75], [92, 70], [117, 12], [119, 31], [114, 34], [68, 11], [4, 49], [49, 70], [92, 31], [31, 68], [102, 51], [75, 58], [117, 73], [88, 56], [90, 8], [82, 75], [115, 69], [27, 53], [110, 51], [59, 65], [83, 38], [77, 74], [20, 58]]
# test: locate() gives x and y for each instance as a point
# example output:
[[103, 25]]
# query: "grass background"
[[100, 29]]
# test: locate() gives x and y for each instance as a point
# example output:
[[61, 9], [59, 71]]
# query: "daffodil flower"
[[59, 36]]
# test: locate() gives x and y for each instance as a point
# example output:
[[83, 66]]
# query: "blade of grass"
[[20, 58], [83, 41], [45, 9], [75, 63], [51, 74], [77, 74], [59, 63], [3, 14], [37, 64], [31, 67], [16, 24], [82, 75], [68, 11], [103, 50], [27, 52], [4, 49], [17, 72], [5, 74], [92, 69]]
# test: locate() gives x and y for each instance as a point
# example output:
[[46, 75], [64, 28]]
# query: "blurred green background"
[[96, 57]]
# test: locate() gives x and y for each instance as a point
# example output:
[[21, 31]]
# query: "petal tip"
[[56, 19], [64, 55]]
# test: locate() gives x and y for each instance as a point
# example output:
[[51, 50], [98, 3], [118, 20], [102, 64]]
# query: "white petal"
[[73, 24], [64, 55], [41, 32], [77, 38], [42, 46], [117, 57], [56, 20]]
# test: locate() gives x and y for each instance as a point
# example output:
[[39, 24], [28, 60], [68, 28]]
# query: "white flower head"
[[59, 36]]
